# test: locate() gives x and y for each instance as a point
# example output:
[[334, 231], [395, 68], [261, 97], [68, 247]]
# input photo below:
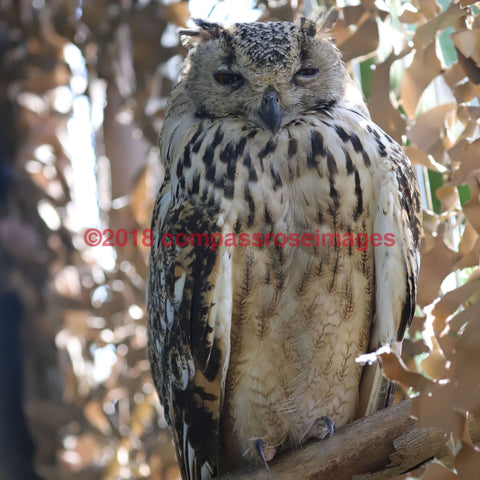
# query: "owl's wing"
[[189, 308], [397, 218], [396, 262]]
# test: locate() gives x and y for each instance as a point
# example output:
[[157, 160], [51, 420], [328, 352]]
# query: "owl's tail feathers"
[[376, 391]]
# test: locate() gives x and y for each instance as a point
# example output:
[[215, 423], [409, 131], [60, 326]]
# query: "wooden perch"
[[377, 447]]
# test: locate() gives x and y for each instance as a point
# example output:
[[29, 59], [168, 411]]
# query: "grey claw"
[[329, 424], [261, 447]]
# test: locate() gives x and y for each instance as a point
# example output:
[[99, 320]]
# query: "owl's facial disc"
[[268, 74], [271, 112]]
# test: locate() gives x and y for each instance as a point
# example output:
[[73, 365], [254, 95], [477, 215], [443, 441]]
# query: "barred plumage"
[[263, 140]]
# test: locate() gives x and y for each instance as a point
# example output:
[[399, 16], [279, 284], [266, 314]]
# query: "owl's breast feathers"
[[251, 341]]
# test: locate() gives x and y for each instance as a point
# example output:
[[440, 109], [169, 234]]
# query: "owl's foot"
[[322, 428], [265, 452]]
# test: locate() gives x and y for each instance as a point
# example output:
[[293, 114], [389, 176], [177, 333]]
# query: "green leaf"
[[464, 193], [436, 181], [366, 75]]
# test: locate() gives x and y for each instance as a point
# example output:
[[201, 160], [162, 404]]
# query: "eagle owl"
[[285, 246]]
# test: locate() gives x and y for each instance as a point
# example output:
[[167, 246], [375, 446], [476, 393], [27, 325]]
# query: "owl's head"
[[267, 73]]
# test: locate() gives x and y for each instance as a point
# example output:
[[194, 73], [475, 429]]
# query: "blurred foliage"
[[89, 399]]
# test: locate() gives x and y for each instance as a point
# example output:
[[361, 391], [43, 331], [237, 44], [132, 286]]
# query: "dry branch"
[[387, 443]]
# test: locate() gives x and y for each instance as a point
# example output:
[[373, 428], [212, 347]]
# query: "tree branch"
[[377, 447]]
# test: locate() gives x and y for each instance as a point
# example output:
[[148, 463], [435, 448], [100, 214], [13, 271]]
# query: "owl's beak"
[[270, 111]]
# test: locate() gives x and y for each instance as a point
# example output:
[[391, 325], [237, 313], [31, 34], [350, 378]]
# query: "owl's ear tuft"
[[326, 21], [321, 26], [207, 31], [308, 27]]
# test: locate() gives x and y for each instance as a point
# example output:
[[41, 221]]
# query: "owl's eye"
[[307, 72], [228, 78]]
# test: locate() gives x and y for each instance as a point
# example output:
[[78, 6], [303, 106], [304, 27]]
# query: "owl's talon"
[[329, 424], [265, 452], [322, 428]]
